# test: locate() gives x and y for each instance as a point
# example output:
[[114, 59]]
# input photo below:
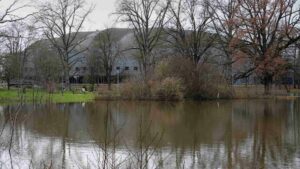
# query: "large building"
[[127, 65]]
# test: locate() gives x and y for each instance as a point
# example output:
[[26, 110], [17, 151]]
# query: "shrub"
[[203, 81], [178, 77], [91, 87], [135, 90], [212, 83], [170, 89]]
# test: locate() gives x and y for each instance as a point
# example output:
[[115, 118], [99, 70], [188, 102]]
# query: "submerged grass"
[[16, 95]]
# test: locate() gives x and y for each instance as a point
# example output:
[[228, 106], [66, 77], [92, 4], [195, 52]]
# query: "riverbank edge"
[[30, 96], [237, 93], [266, 97]]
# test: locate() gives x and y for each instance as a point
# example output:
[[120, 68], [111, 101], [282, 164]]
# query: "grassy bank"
[[102, 93], [15, 95]]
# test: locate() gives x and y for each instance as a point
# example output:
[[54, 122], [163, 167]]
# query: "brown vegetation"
[[258, 92], [174, 79], [200, 82]]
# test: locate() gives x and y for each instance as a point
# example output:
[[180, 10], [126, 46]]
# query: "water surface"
[[262, 134]]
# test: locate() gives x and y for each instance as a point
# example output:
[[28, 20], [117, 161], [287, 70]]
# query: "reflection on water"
[[191, 135]]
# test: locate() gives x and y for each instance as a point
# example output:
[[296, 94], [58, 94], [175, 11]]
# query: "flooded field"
[[262, 134]]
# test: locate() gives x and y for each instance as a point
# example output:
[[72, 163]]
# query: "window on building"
[[135, 68], [126, 68], [77, 69], [84, 69], [118, 68]]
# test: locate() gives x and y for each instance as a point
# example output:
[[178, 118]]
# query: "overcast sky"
[[99, 19], [101, 14]]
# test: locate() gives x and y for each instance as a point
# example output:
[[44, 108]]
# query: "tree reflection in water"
[[235, 134]]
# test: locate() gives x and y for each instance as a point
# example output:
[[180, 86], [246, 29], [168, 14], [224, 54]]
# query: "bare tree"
[[267, 28], [46, 63], [147, 18], [189, 29], [224, 15], [8, 9], [11, 37], [11, 68], [11, 59], [62, 21], [107, 50], [19, 36], [94, 67]]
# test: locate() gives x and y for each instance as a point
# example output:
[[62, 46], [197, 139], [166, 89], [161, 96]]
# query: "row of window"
[[127, 68], [77, 69]]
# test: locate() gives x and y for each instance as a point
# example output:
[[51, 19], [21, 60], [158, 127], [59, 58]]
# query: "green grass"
[[40, 96], [15, 95], [69, 97]]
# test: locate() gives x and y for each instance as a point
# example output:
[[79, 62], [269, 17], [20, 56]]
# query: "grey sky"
[[99, 19]]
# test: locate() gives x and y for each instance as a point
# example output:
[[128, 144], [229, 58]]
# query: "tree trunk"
[[8, 83], [267, 81], [108, 81], [67, 80], [228, 73], [287, 88], [92, 77]]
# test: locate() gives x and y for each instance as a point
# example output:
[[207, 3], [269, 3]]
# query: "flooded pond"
[[189, 135]]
